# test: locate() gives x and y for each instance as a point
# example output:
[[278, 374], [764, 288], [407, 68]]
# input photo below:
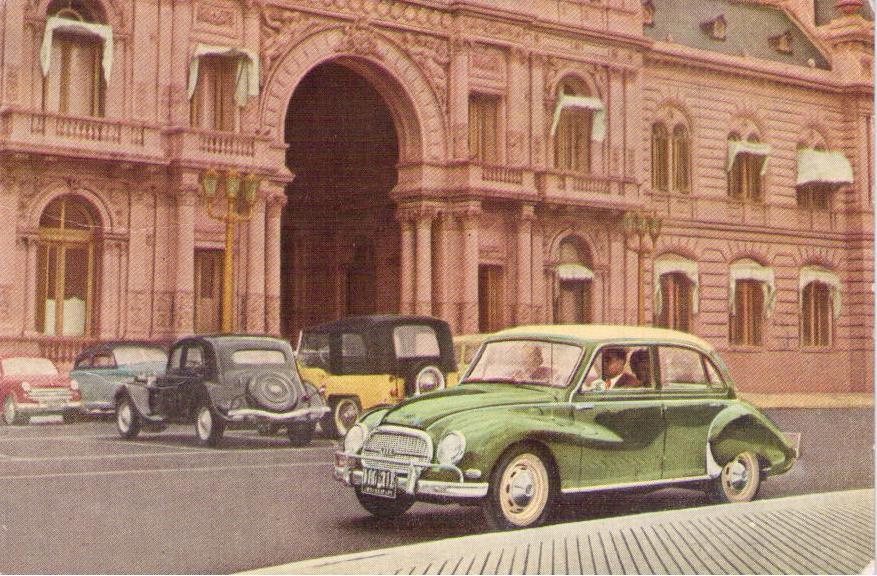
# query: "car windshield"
[[126, 355], [258, 357], [313, 350], [526, 362], [29, 367]]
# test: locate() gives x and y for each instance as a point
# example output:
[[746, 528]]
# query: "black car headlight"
[[451, 448]]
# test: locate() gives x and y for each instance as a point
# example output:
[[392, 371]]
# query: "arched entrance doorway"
[[340, 239]]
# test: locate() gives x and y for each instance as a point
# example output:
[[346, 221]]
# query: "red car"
[[32, 387]]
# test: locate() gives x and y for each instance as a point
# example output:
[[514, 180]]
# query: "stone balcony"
[[582, 189], [192, 146], [41, 132], [725, 210]]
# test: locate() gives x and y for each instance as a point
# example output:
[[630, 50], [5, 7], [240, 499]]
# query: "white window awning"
[[57, 23], [567, 101], [670, 264], [751, 270], [823, 166], [246, 73], [574, 272], [810, 274], [737, 147]]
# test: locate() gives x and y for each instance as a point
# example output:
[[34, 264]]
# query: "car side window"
[[176, 362], [682, 369], [83, 363], [103, 360], [415, 342], [715, 377], [619, 368], [354, 357]]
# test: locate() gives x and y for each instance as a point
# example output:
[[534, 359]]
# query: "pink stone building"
[[473, 160]]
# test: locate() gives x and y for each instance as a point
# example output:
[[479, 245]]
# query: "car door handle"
[[715, 404], [583, 405]]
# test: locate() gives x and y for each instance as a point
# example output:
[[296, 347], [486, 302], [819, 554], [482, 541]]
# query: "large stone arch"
[[417, 112]]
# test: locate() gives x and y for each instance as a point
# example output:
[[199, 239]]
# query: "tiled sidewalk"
[[814, 534], [816, 400]]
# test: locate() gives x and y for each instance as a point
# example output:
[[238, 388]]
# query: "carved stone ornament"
[[214, 15], [433, 57], [281, 29], [359, 38]]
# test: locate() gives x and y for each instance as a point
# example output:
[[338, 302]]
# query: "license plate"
[[379, 483]]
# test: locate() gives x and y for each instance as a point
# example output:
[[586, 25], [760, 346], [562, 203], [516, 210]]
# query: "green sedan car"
[[545, 411]]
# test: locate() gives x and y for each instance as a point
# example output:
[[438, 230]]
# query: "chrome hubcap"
[[124, 417], [205, 423], [9, 411], [738, 475], [522, 488]]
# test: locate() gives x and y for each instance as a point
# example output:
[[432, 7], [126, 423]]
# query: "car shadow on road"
[[240, 440]]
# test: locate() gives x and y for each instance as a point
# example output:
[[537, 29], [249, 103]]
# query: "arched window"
[[76, 59], [660, 158], [820, 305], [747, 160], [572, 303], [677, 287], [751, 297], [66, 268], [681, 159], [572, 140], [820, 173]]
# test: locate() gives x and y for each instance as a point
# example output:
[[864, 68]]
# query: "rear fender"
[[739, 428]]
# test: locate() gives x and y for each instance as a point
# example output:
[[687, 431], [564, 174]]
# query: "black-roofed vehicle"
[[214, 381], [377, 360]]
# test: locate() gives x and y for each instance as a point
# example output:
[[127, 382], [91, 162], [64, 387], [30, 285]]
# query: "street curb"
[[727, 517]]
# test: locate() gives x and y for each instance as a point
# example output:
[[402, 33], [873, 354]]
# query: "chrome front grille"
[[50, 395], [400, 445]]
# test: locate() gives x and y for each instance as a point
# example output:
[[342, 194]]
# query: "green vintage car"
[[545, 411]]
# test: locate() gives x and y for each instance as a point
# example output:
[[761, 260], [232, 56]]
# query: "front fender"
[[741, 427], [138, 393]]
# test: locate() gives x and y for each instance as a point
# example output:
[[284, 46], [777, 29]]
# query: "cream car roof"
[[591, 333]]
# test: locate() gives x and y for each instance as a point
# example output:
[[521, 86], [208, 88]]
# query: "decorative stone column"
[[525, 265], [444, 271], [471, 254], [10, 274], [108, 297], [32, 245], [184, 286], [423, 296], [255, 296], [540, 298], [406, 262], [275, 203], [459, 97]]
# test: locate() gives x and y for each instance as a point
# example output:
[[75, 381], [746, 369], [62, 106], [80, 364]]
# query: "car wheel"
[[300, 433], [739, 481], [127, 419], [267, 429], [424, 378], [209, 428], [345, 412], [522, 490], [11, 415], [385, 507]]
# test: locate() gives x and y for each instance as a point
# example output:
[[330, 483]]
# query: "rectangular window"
[[816, 315], [484, 128], [619, 368], [75, 84], [213, 106], [258, 357], [744, 179], [814, 196], [572, 144], [490, 298], [746, 323], [676, 306], [415, 342]]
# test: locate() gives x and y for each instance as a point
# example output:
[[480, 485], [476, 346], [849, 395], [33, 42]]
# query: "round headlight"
[[451, 448], [430, 379], [74, 385], [355, 438]]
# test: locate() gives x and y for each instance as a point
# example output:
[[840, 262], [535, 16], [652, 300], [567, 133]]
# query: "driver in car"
[[614, 360], [533, 370]]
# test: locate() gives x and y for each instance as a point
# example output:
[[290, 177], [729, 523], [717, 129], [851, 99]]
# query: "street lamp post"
[[239, 208], [639, 226]]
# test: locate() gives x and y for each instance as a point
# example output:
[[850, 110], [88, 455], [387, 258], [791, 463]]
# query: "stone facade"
[[456, 222]]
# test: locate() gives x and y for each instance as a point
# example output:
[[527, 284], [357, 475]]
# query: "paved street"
[[77, 499]]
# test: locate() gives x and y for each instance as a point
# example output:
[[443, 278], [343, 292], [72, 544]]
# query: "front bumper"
[[348, 470], [48, 407], [300, 415]]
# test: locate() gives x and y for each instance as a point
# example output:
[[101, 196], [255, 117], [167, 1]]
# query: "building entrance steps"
[[831, 533]]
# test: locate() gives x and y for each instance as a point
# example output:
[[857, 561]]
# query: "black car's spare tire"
[[274, 391]]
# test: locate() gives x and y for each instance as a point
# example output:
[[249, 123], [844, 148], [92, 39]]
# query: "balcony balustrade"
[[579, 188]]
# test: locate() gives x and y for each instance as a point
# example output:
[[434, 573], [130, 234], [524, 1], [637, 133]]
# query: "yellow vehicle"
[[465, 348], [378, 360]]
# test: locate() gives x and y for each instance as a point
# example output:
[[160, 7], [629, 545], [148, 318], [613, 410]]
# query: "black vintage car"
[[368, 361], [217, 380]]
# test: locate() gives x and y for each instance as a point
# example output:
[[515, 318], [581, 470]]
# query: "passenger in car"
[[641, 366], [614, 360]]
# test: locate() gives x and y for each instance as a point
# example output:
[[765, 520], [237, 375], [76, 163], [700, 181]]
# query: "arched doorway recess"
[[340, 240]]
